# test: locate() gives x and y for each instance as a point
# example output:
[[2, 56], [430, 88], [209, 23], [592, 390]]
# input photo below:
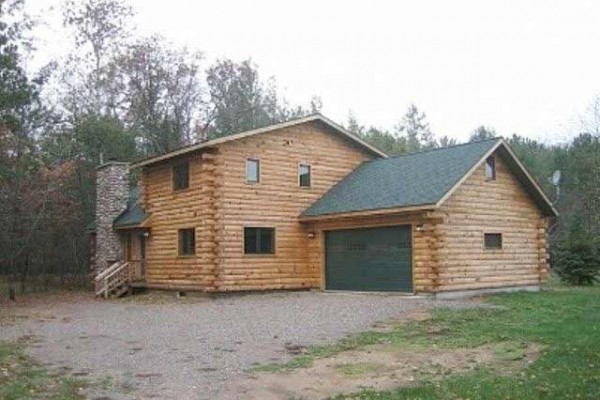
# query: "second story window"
[[490, 169], [252, 170], [181, 176], [304, 175]]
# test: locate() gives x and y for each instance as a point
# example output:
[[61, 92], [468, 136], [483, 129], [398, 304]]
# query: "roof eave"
[[366, 213], [139, 225], [531, 179]]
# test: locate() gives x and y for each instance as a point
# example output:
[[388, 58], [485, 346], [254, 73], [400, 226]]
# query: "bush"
[[577, 262]]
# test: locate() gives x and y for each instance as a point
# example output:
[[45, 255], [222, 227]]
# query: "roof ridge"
[[310, 116], [429, 150], [264, 129]]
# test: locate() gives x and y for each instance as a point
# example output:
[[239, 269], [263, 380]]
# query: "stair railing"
[[112, 278]]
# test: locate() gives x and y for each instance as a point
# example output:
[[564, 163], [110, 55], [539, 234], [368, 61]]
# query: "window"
[[304, 175], [187, 242], [493, 240], [490, 169], [252, 170], [181, 176], [259, 240]]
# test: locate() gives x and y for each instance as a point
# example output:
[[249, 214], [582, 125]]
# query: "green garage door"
[[373, 259]]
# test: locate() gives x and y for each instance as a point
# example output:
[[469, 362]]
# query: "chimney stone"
[[112, 192]]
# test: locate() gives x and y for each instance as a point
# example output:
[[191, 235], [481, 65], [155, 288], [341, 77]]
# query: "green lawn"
[[21, 379], [564, 321]]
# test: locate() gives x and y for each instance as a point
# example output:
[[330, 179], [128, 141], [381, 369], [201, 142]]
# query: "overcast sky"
[[527, 67]]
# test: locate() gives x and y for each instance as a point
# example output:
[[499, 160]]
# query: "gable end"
[[528, 183]]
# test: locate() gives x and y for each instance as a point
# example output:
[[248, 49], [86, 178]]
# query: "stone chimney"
[[112, 192]]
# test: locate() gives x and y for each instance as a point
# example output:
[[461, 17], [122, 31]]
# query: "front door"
[[136, 253], [142, 255]]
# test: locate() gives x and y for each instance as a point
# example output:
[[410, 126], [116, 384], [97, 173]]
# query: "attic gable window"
[[252, 170], [181, 176], [490, 168]]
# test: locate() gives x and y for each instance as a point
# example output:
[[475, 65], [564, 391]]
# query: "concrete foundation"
[[462, 294]]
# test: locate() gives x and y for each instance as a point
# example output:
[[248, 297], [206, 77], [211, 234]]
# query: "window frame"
[[257, 162], [174, 178], [490, 165], [300, 165], [180, 242], [258, 241], [487, 235]]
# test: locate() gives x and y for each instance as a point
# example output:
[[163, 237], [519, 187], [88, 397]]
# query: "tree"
[[100, 29], [238, 100], [415, 127], [28, 187], [584, 171], [389, 143], [577, 256], [482, 133], [590, 121], [91, 139], [164, 93], [353, 126], [446, 141]]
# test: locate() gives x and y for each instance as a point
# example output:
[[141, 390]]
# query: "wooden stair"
[[114, 281]]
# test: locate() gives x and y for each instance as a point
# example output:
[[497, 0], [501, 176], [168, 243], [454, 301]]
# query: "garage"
[[369, 259]]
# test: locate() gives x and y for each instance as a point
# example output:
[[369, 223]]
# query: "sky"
[[526, 67]]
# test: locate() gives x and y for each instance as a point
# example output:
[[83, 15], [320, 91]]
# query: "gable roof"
[[215, 142], [422, 180]]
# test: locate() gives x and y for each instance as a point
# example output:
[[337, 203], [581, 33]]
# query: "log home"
[[307, 205]]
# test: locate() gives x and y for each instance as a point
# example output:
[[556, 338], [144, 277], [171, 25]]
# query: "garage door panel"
[[373, 259]]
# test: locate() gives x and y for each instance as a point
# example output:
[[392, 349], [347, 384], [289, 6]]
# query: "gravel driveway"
[[154, 346]]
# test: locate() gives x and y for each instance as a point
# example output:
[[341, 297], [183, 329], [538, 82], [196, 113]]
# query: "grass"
[[21, 379], [357, 369], [566, 321]]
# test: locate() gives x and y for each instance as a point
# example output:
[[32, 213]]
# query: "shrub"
[[577, 262]]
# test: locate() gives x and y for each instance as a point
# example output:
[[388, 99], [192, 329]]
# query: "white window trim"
[[257, 160], [310, 170]]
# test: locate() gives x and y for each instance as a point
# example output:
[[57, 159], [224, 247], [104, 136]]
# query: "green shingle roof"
[[409, 180], [133, 215]]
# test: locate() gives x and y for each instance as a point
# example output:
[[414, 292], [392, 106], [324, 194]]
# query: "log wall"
[[499, 206], [194, 207], [276, 201], [448, 247]]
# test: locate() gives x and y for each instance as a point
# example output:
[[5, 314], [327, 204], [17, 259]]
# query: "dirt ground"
[[158, 346], [376, 367]]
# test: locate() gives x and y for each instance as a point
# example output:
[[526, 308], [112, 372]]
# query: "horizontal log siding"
[[501, 206], [276, 201], [194, 207]]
